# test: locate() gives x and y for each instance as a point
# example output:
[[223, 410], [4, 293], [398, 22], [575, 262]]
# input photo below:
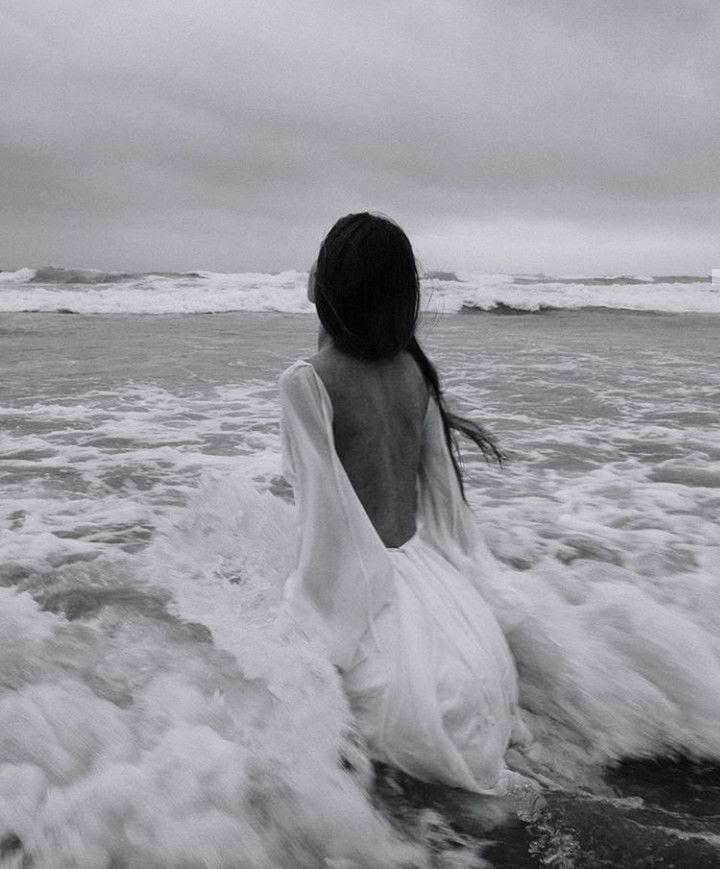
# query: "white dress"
[[424, 662]]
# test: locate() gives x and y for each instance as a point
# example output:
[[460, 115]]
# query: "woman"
[[391, 572]]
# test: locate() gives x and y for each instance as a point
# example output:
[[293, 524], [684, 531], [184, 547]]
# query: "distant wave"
[[52, 275], [58, 275], [502, 308], [442, 276], [51, 289], [510, 310], [604, 281]]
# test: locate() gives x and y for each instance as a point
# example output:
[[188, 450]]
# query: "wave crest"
[[86, 291]]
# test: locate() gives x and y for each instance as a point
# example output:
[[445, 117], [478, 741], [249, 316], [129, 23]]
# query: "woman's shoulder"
[[334, 369], [347, 379], [300, 369], [331, 364], [297, 382], [354, 385]]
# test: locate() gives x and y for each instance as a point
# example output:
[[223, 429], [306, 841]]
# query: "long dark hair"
[[367, 294]]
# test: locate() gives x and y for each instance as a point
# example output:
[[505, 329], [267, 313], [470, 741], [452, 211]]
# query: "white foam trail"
[[126, 736], [170, 755], [612, 664]]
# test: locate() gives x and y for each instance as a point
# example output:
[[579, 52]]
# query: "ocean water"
[[85, 291], [154, 711]]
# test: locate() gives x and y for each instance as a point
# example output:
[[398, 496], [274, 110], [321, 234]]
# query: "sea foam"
[[85, 291], [155, 711]]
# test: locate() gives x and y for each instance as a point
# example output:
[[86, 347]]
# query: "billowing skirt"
[[433, 684]]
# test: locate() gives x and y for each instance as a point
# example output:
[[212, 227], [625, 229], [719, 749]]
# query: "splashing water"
[[154, 711], [87, 291]]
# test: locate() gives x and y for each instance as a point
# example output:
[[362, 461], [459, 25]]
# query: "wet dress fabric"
[[415, 631]]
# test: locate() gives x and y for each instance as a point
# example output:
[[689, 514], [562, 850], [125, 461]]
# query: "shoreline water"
[[140, 455]]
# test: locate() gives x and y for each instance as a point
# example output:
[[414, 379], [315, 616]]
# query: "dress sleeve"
[[447, 523], [343, 576]]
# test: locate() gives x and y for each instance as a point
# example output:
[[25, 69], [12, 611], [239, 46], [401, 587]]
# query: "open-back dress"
[[424, 661]]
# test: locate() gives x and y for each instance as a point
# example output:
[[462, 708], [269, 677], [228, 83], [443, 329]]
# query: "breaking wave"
[[86, 291]]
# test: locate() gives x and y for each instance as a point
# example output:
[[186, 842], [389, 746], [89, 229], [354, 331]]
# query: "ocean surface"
[[85, 291], [154, 712]]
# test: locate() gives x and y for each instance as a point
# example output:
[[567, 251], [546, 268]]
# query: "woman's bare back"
[[378, 414]]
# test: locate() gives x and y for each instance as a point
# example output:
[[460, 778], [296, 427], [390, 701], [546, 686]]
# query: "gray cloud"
[[564, 135]]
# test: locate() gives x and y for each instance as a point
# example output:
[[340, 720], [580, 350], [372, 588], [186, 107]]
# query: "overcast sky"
[[229, 135]]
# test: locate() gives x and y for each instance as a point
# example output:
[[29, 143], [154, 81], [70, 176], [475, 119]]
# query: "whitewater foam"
[[153, 709], [85, 291]]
